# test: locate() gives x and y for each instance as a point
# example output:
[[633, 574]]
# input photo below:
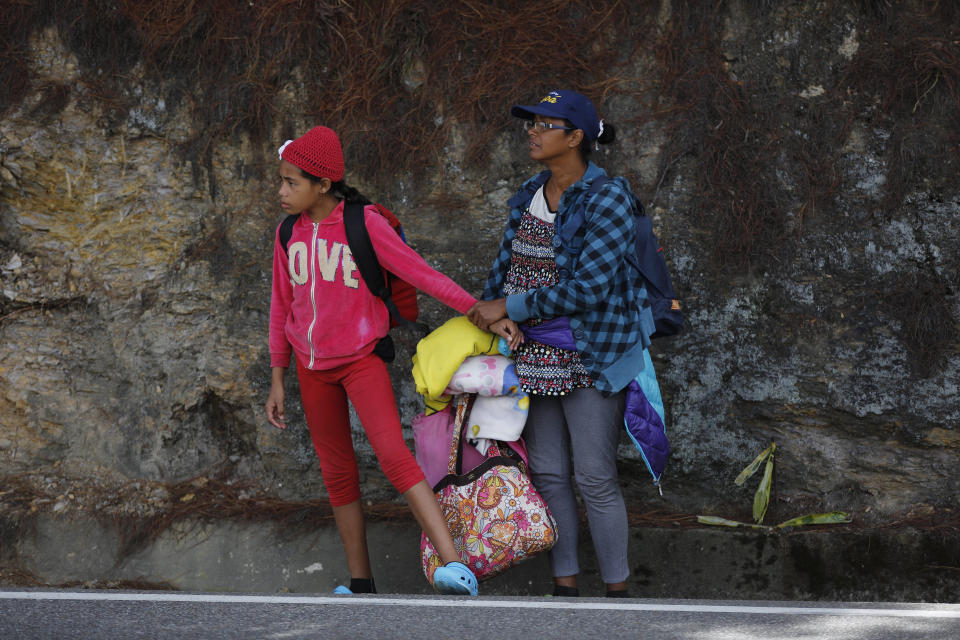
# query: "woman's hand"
[[275, 415], [485, 312], [509, 331]]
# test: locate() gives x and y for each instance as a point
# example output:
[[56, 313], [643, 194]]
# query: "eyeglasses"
[[541, 126]]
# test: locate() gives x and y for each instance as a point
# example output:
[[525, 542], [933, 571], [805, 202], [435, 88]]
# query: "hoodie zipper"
[[313, 289]]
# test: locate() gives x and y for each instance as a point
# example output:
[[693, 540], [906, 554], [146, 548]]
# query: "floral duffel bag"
[[495, 515]]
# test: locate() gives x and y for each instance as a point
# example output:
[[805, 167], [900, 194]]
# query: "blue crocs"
[[455, 579], [342, 591]]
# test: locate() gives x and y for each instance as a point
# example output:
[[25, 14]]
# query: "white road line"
[[896, 611]]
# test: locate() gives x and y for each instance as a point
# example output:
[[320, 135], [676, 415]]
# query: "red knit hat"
[[317, 152]]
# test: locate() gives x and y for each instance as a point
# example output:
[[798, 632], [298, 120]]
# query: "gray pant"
[[579, 433]]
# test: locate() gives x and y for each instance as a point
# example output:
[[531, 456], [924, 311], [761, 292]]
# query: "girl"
[[322, 311], [561, 271]]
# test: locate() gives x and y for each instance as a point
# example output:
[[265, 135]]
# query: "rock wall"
[[808, 205]]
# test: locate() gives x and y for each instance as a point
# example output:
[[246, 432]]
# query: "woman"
[[561, 273]]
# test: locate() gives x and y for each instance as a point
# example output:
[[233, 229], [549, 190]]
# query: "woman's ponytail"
[[607, 135]]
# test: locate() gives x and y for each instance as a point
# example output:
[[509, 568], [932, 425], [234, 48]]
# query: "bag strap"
[[462, 409], [461, 414], [286, 229], [643, 230], [366, 259]]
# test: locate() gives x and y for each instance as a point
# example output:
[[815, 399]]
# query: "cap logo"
[[551, 97]]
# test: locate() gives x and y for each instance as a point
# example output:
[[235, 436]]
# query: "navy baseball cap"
[[571, 105]]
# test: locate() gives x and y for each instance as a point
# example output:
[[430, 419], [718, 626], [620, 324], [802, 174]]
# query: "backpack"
[[647, 258], [397, 294]]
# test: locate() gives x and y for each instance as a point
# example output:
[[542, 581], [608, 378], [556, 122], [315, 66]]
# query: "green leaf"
[[834, 517], [753, 466], [723, 522], [762, 497]]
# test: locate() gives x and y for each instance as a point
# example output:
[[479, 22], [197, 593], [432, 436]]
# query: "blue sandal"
[[342, 591], [455, 579]]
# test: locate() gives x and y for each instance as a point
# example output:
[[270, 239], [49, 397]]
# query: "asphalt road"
[[108, 615]]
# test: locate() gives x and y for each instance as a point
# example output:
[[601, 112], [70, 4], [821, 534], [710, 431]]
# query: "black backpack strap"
[[286, 229], [366, 259]]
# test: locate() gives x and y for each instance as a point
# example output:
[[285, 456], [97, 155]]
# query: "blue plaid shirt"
[[597, 288]]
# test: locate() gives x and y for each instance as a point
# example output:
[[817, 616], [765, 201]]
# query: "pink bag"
[[494, 513], [431, 444], [432, 436]]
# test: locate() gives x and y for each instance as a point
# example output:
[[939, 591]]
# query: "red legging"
[[367, 383]]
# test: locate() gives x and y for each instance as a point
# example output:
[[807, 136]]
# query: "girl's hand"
[[509, 331], [275, 415], [485, 312]]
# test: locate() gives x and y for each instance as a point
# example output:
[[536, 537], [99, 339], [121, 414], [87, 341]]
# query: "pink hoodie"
[[321, 308]]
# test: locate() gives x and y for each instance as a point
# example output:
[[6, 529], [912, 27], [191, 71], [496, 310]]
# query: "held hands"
[[485, 312], [509, 331], [491, 315]]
